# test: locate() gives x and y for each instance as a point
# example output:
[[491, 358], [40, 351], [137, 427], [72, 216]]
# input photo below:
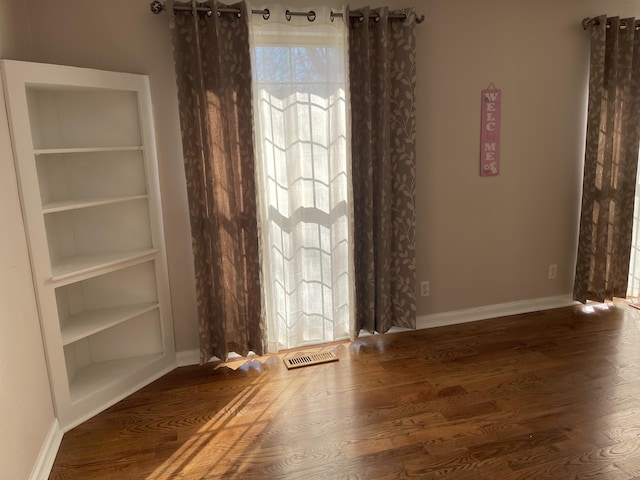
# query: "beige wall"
[[481, 241], [15, 31], [26, 411], [484, 241]]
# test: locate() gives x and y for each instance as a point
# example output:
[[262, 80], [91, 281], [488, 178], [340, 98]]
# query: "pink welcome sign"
[[490, 134]]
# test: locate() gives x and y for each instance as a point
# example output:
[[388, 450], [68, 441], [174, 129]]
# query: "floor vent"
[[312, 359]]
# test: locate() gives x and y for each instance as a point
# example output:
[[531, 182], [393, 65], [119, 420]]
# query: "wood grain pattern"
[[548, 395]]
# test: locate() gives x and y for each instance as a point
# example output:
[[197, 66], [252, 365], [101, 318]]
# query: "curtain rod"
[[594, 21], [157, 7]]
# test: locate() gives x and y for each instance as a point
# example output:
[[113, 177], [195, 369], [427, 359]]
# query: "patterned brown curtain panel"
[[213, 68], [611, 159], [383, 79]]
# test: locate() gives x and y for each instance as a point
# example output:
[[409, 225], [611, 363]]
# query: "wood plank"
[[553, 394]]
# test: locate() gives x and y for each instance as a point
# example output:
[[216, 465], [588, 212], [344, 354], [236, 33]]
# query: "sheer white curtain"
[[633, 286], [300, 114]]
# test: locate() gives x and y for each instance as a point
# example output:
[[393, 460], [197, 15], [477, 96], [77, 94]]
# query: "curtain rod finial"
[[419, 19], [586, 22], [156, 6]]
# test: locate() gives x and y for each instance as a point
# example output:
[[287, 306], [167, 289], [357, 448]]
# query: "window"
[[303, 181]]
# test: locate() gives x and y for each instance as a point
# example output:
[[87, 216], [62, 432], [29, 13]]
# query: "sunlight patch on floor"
[[242, 420]]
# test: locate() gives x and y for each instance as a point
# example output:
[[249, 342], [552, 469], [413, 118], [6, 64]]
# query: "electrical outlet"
[[424, 288], [553, 271]]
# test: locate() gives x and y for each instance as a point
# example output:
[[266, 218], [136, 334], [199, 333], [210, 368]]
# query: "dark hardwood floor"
[[547, 395]]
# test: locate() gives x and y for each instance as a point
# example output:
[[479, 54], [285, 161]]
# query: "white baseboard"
[[192, 357], [188, 357], [47, 456], [493, 311]]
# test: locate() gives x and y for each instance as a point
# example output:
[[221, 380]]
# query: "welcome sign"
[[490, 133]]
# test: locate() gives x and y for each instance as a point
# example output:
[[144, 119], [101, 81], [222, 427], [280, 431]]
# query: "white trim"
[[492, 311], [185, 358], [47, 456]]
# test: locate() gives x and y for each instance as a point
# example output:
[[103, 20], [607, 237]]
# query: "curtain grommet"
[[311, 16], [156, 7], [287, 15], [266, 14]]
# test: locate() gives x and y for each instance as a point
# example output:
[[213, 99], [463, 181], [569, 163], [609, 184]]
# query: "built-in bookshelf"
[[86, 163]]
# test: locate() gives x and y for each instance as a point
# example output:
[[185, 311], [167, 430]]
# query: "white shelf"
[[90, 174], [57, 151], [71, 267], [84, 324], [86, 166], [90, 379], [65, 205]]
